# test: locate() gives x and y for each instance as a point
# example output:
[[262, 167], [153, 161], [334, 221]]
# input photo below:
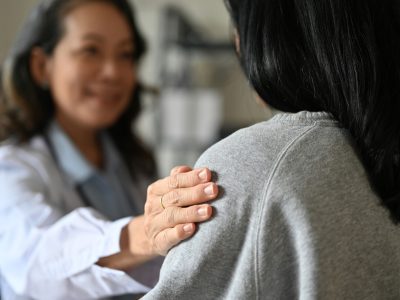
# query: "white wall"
[[12, 15], [211, 15], [213, 19]]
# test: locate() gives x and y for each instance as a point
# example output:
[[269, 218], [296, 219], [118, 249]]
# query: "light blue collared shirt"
[[108, 190]]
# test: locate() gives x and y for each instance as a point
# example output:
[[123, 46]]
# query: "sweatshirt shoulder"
[[264, 140]]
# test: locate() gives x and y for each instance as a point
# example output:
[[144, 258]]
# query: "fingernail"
[[202, 211], [203, 175], [209, 190], [187, 228]]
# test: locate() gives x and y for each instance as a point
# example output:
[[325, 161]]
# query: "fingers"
[[190, 196], [180, 180], [173, 216], [170, 237], [174, 204], [177, 215], [180, 169]]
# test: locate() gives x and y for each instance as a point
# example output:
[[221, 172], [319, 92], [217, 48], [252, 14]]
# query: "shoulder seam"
[[282, 154]]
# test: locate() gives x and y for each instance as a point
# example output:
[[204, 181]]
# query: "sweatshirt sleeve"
[[203, 266], [48, 255]]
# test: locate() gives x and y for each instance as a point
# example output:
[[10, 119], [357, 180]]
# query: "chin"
[[100, 123]]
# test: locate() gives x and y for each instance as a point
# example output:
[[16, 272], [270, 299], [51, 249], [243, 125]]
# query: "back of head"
[[337, 56]]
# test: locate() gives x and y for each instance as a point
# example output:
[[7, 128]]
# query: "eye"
[[128, 55], [90, 50]]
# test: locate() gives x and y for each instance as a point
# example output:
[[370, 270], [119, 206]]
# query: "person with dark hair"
[[72, 173], [311, 198]]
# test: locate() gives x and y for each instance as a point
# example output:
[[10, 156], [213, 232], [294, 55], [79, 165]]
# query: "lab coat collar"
[[70, 159]]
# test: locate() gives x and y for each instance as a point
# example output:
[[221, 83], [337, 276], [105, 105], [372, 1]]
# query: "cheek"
[[130, 79], [130, 82], [68, 89], [67, 83], [65, 87]]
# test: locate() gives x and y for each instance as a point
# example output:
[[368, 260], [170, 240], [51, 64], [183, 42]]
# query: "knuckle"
[[170, 216], [189, 213], [148, 207], [150, 189], [164, 199], [175, 197], [153, 187], [182, 179], [192, 179], [175, 170], [198, 192], [194, 195], [173, 182]]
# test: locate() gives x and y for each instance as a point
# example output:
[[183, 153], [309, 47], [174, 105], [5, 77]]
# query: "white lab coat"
[[49, 242]]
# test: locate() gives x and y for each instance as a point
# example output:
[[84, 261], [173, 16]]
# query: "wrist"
[[134, 239], [134, 248]]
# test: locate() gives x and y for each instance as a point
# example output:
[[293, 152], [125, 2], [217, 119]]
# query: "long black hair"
[[26, 108], [338, 56]]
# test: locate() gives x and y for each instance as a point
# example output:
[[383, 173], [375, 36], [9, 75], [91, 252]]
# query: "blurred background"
[[200, 93]]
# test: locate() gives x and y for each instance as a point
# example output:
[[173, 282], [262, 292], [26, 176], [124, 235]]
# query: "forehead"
[[97, 18]]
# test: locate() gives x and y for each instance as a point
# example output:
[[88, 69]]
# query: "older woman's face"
[[91, 72]]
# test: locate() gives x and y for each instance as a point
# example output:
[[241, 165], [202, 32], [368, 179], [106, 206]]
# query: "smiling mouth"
[[104, 96]]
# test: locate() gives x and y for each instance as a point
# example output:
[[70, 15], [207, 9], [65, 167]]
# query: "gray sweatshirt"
[[297, 219]]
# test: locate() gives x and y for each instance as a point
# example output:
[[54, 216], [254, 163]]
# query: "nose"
[[110, 69]]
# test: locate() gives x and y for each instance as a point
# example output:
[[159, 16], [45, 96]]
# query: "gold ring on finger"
[[161, 202]]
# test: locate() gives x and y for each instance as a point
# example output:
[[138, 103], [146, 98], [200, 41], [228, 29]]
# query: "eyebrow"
[[98, 38]]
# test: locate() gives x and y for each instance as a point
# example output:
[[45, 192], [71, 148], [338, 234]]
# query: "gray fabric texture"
[[297, 219]]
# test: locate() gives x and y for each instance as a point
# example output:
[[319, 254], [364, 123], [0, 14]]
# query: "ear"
[[39, 67]]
